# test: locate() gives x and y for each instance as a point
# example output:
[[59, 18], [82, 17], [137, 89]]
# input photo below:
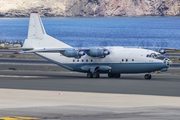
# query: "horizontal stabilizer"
[[21, 48], [42, 50]]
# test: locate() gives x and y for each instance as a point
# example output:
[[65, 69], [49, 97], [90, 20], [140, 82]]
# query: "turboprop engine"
[[162, 51], [73, 53], [98, 53]]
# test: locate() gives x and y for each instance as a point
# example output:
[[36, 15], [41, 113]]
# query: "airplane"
[[111, 60]]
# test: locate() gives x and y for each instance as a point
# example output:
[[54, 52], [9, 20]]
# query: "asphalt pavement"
[[72, 96], [160, 84]]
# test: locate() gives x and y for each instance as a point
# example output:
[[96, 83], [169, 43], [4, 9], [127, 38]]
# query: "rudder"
[[36, 28]]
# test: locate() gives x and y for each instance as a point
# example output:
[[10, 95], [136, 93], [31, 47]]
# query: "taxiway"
[[68, 95]]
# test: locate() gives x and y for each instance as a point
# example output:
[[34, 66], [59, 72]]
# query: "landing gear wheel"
[[110, 75], [147, 76], [89, 75], [95, 75], [150, 76], [117, 75]]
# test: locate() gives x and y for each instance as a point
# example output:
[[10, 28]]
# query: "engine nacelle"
[[162, 51], [73, 53], [98, 53]]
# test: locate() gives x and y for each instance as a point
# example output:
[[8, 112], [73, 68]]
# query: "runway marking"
[[29, 64], [14, 76], [17, 118]]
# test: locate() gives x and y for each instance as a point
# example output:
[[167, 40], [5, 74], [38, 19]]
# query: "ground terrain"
[[89, 8]]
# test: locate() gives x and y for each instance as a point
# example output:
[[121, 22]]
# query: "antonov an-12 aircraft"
[[94, 61]]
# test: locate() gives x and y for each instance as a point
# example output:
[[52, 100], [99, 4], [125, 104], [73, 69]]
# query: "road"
[[172, 54], [23, 61]]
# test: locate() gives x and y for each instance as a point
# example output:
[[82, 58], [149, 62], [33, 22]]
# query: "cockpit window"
[[159, 55], [154, 55]]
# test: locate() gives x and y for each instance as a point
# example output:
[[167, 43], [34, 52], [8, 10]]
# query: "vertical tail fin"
[[36, 28], [37, 37]]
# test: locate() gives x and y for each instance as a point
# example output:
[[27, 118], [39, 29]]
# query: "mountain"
[[89, 8]]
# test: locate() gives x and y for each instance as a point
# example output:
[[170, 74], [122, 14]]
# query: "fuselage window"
[[86, 60], [91, 60], [132, 59], [126, 60], [73, 60], [77, 60], [82, 60], [122, 60]]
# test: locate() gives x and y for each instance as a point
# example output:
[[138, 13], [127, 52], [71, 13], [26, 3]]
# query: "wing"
[[71, 52]]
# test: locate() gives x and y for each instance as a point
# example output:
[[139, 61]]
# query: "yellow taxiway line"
[[13, 76], [17, 118]]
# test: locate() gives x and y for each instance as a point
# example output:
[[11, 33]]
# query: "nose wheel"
[[147, 76]]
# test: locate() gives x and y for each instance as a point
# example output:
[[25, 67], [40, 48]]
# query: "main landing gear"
[[147, 76], [93, 75], [110, 75]]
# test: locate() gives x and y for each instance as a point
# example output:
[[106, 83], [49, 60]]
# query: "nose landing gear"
[[147, 76]]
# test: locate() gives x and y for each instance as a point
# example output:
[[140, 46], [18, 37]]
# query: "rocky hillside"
[[89, 8]]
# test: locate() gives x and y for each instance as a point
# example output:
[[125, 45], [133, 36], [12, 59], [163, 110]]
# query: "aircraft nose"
[[168, 62]]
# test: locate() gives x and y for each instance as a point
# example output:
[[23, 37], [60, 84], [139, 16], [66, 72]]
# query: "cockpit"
[[154, 55], [160, 57]]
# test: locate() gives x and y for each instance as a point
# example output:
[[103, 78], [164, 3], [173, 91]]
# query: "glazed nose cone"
[[168, 62]]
